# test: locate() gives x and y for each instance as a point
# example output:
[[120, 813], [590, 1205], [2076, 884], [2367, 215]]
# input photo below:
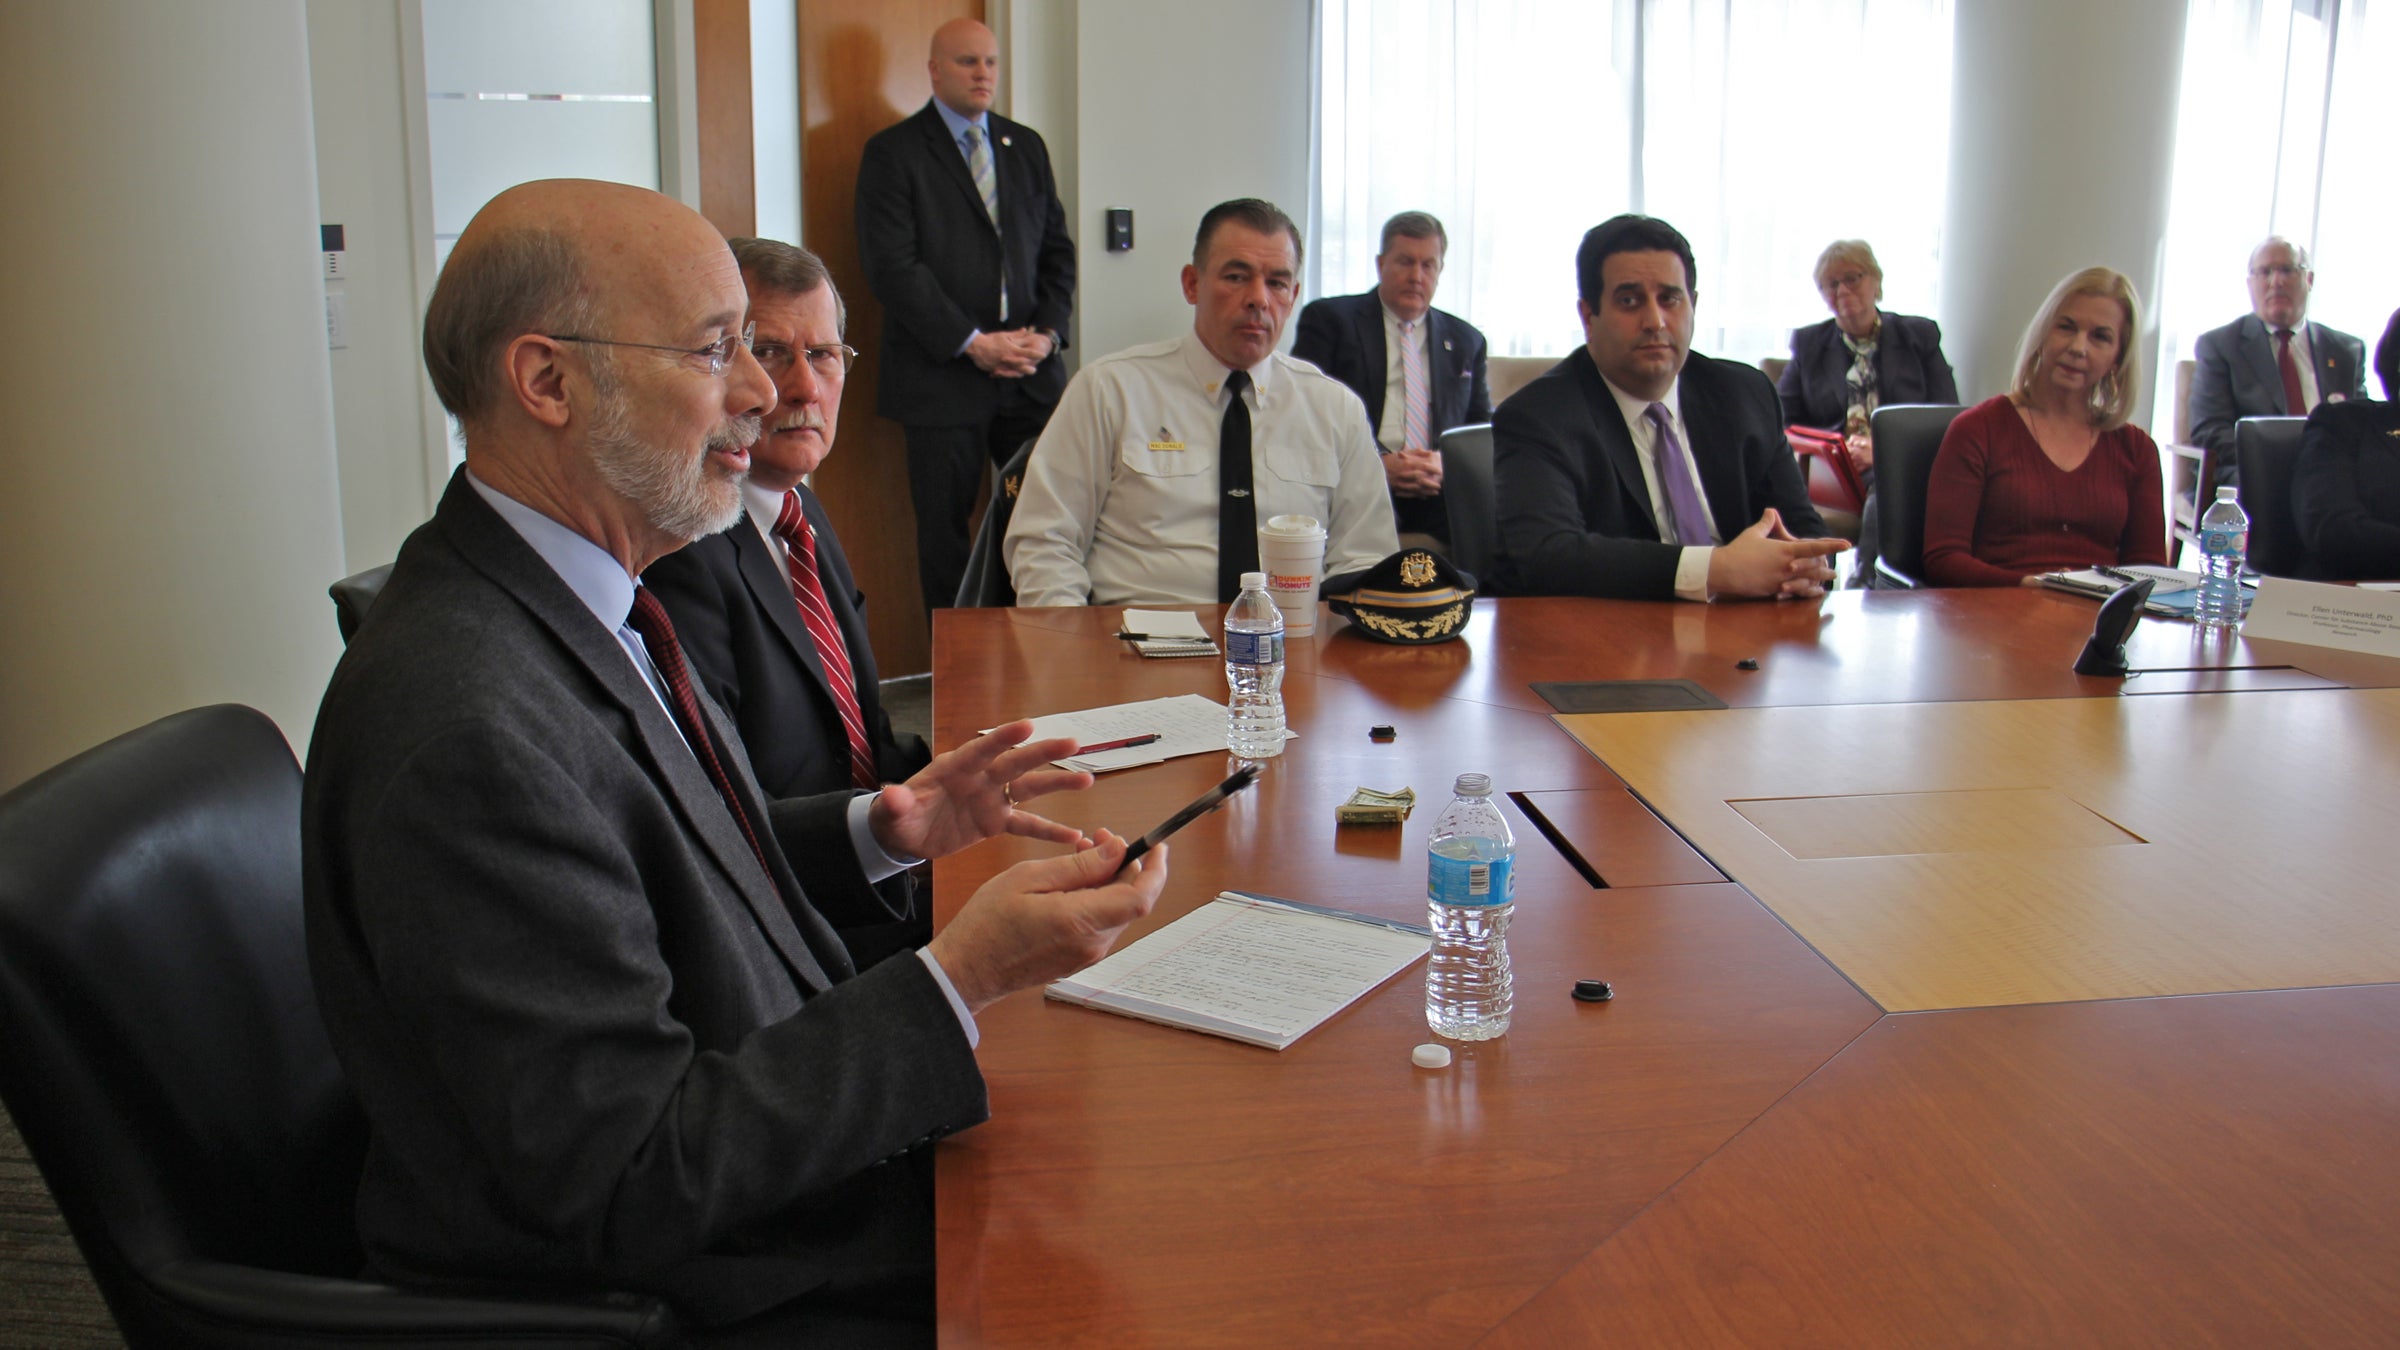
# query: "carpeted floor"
[[47, 1301], [908, 701]]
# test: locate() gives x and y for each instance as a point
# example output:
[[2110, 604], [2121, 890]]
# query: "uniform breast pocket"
[[1315, 466], [1162, 459]]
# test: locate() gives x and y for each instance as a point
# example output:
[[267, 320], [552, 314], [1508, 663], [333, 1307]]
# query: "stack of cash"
[[1369, 807]]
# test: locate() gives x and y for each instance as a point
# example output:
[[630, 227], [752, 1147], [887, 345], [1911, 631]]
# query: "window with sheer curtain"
[[2284, 127], [1763, 130]]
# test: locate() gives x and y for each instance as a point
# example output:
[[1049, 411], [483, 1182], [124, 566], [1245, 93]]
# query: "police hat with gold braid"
[[1413, 596]]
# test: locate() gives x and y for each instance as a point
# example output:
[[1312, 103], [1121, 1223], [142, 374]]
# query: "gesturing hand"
[[974, 792], [1043, 919]]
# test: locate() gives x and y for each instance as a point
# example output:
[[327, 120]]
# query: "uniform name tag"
[[1166, 445]]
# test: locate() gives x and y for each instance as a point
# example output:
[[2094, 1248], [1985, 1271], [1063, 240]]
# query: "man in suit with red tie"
[[1419, 370], [2271, 362], [770, 617], [965, 243]]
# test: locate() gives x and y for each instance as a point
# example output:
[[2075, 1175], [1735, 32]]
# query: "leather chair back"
[[1467, 498], [2267, 448], [352, 595], [164, 1060], [986, 584], [1906, 437]]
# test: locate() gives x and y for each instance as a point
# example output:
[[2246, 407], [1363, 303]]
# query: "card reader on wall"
[[1120, 229]]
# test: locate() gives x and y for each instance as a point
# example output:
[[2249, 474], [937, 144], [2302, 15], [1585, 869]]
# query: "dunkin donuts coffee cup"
[[1291, 551]]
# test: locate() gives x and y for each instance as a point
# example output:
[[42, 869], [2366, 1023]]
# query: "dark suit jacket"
[[741, 630], [1909, 368], [2346, 490], [1343, 336], [2237, 377], [933, 258], [1575, 517], [594, 1043]]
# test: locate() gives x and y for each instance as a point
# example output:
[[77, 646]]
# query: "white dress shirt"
[[1691, 566], [1119, 504]]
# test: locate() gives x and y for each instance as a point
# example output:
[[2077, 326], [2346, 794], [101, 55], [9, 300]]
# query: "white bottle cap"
[[2228, 493], [1431, 1056], [1254, 581]]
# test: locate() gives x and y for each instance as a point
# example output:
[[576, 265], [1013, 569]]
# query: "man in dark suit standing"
[[1419, 370], [965, 242], [1636, 468], [2271, 362], [584, 976]]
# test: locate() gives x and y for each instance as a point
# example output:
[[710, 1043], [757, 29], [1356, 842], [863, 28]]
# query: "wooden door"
[[862, 68]]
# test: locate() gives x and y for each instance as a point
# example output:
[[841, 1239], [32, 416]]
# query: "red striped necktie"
[[808, 591]]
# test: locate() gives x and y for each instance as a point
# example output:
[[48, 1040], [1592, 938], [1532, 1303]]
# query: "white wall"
[[2062, 143], [387, 427], [168, 515], [775, 117], [1178, 107]]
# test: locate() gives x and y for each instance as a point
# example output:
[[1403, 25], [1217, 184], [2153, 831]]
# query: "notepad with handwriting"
[[1251, 968]]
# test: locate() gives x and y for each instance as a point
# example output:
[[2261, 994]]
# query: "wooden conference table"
[[2045, 1012]]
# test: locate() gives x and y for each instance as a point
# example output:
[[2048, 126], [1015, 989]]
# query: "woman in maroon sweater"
[[2050, 475]]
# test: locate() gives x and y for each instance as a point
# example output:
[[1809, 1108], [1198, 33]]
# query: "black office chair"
[[1467, 498], [165, 1063], [1906, 436], [352, 596], [2268, 448], [986, 584]]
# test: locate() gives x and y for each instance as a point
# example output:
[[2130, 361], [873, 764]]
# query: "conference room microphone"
[[2104, 653]]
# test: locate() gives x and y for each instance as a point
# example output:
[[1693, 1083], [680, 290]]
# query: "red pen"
[[1126, 744]]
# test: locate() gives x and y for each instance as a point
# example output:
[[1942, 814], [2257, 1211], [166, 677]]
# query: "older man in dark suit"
[[2271, 362], [1635, 468], [770, 617], [1419, 370], [583, 974], [965, 243], [768, 611]]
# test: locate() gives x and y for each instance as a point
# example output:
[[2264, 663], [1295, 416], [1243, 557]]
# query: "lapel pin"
[[1006, 141]]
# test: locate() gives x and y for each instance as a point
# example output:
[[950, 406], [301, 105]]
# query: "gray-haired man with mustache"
[[744, 614]]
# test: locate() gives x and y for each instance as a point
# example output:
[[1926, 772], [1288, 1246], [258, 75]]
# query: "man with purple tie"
[[2271, 362], [1638, 469]]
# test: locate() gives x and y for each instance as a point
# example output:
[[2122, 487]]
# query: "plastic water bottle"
[[1471, 887], [2224, 543], [1254, 672]]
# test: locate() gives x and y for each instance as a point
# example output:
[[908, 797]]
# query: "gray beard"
[[679, 497]]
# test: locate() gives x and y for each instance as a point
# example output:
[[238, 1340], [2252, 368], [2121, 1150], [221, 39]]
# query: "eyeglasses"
[[827, 360], [1851, 281], [716, 356]]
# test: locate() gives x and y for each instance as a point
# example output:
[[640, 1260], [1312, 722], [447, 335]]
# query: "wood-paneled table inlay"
[[1742, 1148], [1948, 855]]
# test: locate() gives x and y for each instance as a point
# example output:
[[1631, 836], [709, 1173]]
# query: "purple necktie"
[[1675, 476]]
